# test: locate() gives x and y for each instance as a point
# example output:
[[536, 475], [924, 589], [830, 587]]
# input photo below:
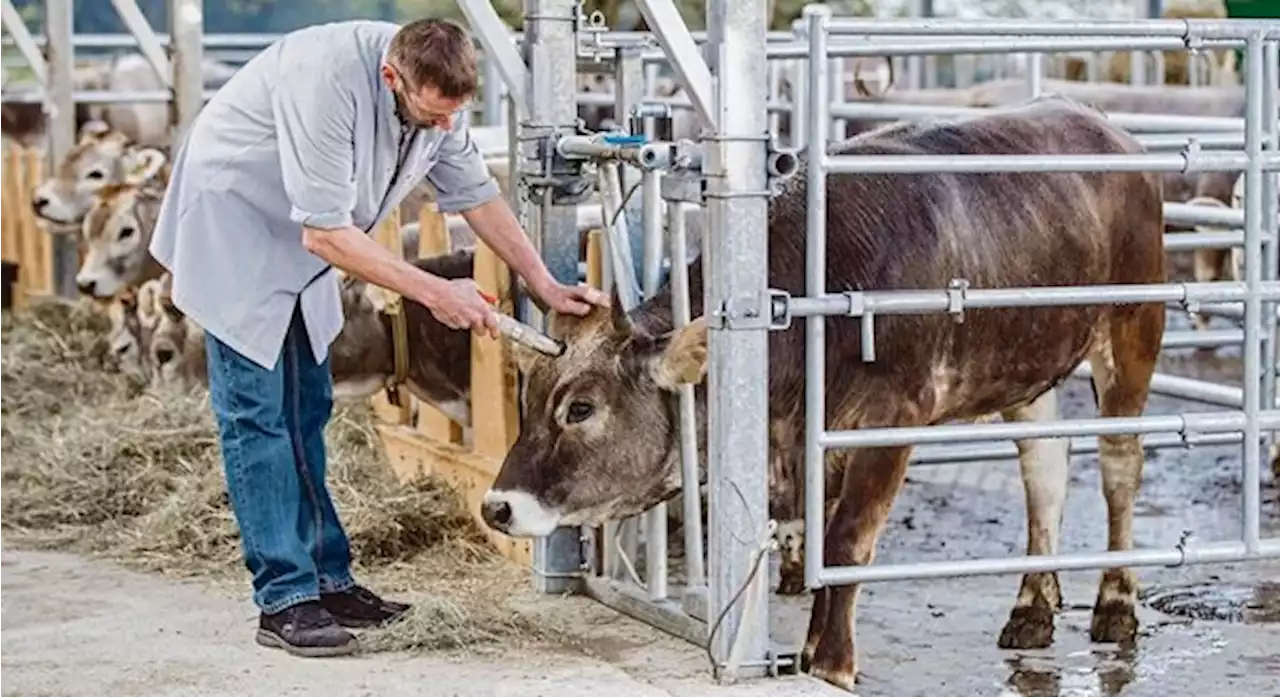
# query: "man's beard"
[[402, 112]]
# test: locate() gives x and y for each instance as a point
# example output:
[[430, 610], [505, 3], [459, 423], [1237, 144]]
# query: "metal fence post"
[[186, 29], [550, 48], [60, 107], [736, 278]]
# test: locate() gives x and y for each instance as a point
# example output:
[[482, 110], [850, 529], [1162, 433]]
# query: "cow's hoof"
[[1113, 622], [841, 678], [1029, 627]]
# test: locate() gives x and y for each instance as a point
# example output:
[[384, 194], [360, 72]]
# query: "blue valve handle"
[[624, 140]]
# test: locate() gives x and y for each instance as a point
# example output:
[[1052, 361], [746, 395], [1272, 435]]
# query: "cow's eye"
[[579, 411]]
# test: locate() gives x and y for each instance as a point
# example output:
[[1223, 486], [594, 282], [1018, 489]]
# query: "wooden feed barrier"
[[25, 245]]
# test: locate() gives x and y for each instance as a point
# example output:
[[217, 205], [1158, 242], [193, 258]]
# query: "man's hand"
[[460, 304], [575, 300]]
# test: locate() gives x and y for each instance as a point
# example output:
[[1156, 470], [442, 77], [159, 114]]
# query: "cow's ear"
[[683, 357], [91, 130], [148, 303], [142, 165]]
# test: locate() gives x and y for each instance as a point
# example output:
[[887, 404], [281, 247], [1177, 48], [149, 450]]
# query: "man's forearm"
[[494, 223], [361, 256]]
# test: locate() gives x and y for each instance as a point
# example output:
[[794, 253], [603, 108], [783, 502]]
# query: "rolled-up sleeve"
[[459, 175], [315, 116]]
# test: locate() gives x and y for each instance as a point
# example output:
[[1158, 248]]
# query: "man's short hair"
[[436, 52]]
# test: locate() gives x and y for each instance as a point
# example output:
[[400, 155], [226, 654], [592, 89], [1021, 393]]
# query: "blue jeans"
[[271, 425]]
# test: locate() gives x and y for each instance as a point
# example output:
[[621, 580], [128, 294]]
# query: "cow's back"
[[917, 231]]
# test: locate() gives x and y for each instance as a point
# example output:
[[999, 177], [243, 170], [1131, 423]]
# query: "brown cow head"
[[116, 235], [103, 157], [174, 340], [598, 441], [127, 337]]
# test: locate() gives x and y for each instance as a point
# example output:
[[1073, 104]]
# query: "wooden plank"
[[387, 234], [433, 240], [15, 235], [595, 258], [470, 474], [495, 418], [10, 244], [40, 242]]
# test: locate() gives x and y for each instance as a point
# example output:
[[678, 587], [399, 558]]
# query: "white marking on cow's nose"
[[518, 514]]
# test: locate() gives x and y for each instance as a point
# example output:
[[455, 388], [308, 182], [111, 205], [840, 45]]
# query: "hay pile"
[[95, 464]]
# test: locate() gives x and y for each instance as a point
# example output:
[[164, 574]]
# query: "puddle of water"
[[1103, 672], [1228, 602]]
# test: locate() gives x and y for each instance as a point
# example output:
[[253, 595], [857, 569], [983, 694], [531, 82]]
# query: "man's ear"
[[683, 360]]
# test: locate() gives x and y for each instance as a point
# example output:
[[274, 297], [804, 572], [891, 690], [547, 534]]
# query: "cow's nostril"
[[496, 514], [164, 355], [40, 202], [86, 287]]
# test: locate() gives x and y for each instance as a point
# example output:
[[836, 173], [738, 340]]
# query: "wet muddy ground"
[[1211, 630]]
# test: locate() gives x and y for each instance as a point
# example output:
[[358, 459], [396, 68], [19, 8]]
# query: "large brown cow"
[[598, 442]]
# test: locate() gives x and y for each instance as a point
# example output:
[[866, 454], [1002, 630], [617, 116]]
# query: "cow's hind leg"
[[1044, 466], [873, 480], [1123, 360]]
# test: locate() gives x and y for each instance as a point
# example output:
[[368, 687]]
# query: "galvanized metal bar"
[[61, 111], [664, 20], [1250, 485], [695, 574], [104, 96], [148, 45], [628, 92], [1178, 141], [492, 90], [1203, 161], [956, 453], [1209, 338], [1183, 242], [736, 255], [655, 519], [186, 24], [835, 93], [549, 83], [918, 46], [1270, 231], [1211, 553], [1138, 123], [1186, 388], [862, 303], [1239, 29], [22, 39], [1192, 214], [500, 46], [894, 436], [817, 17], [1035, 73]]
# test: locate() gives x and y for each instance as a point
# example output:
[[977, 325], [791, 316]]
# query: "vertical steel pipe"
[[816, 18], [736, 244], [655, 519], [1253, 209], [551, 52], [186, 48], [60, 108], [1270, 224], [689, 467]]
